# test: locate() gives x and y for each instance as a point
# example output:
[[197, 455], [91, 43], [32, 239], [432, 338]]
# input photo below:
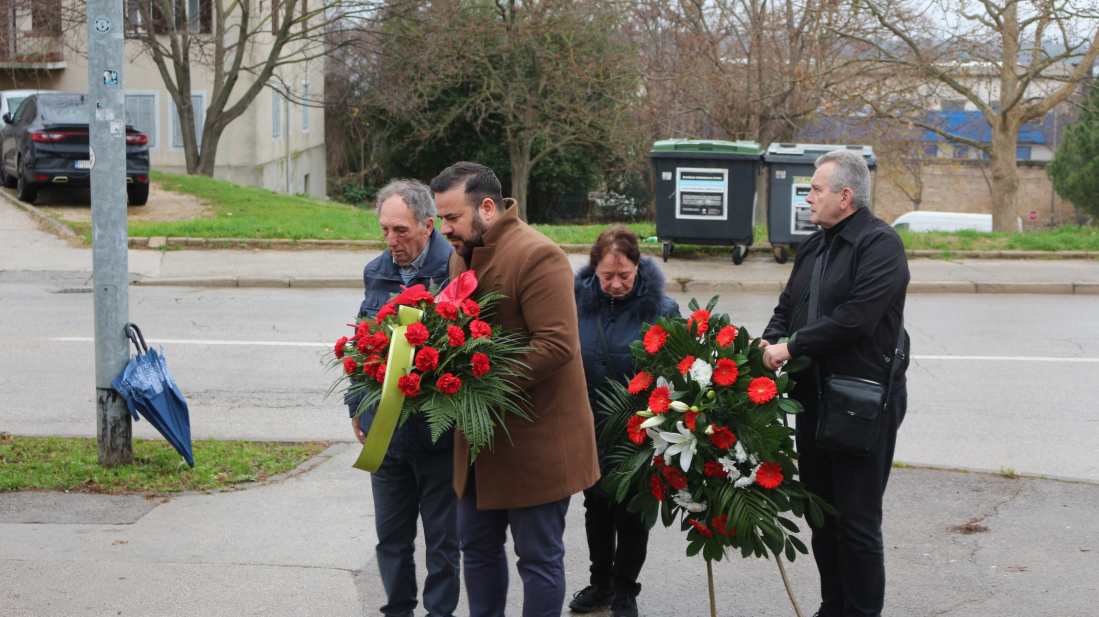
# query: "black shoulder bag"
[[851, 408]]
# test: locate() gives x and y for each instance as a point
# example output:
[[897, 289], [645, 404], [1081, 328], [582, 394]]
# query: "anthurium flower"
[[684, 443], [460, 288], [412, 295]]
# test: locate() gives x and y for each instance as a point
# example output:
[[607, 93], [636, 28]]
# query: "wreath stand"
[[785, 581]]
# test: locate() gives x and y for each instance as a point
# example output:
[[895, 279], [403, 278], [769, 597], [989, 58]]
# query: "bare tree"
[[1012, 60]]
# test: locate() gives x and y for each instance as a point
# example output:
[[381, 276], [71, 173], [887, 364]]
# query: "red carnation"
[[380, 375], [689, 421], [349, 365], [380, 342], [654, 339], [480, 364], [761, 390], [685, 364], [676, 479], [714, 468], [726, 336], [364, 344], [370, 367], [657, 486], [456, 335], [427, 359], [660, 400], [340, 344], [448, 384], [409, 384], [634, 430], [417, 334], [480, 329], [386, 310], [701, 527], [769, 475], [363, 329], [719, 524], [702, 318], [447, 310], [723, 438], [640, 382], [471, 308], [726, 372]]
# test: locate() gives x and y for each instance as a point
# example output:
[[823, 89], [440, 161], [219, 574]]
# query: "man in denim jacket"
[[415, 477]]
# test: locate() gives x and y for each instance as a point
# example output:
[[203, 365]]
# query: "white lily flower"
[[701, 371], [664, 383], [659, 445], [653, 421], [684, 444], [709, 430], [684, 500], [741, 454], [679, 406], [646, 413], [730, 468]]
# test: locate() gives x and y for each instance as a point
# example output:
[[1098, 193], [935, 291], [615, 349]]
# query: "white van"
[[945, 221], [11, 99]]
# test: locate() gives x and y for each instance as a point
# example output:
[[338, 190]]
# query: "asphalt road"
[[997, 381]]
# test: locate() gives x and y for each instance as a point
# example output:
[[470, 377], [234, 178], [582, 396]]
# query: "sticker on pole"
[[102, 25], [110, 78], [1033, 215]]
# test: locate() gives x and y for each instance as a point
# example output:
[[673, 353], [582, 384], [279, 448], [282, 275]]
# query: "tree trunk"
[[211, 136], [519, 154], [1005, 176]]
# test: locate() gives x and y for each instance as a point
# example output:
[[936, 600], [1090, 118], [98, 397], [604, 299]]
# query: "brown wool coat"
[[554, 455]]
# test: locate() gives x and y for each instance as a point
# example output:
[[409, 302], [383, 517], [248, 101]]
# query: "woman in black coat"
[[616, 293]]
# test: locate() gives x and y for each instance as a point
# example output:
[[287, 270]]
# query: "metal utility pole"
[[107, 139]]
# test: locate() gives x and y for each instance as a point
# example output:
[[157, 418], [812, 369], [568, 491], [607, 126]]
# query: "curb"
[[40, 215], [328, 453], [1019, 474]]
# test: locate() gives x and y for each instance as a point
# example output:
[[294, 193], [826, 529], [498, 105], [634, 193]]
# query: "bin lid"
[[808, 153], [670, 147]]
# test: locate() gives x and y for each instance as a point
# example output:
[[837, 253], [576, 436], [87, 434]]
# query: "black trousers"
[[617, 543], [848, 548]]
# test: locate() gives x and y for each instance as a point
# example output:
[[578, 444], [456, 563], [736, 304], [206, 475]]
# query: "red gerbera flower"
[[769, 475], [660, 400], [409, 384], [387, 310], [416, 334], [685, 364], [640, 383], [447, 310], [456, 335], [658, 461], [719, 524], [379, 342], [350, 366], [723, 438], [427, 359], [380, 375], [726, 372], [761, 390], [480, 329], [701, 317], [701, 527], [654, 339], [471, 308], [480, 364], [726, 336], [689, 421], [714, 468], [676, 479], [448, 384], [340, 344], [657, 486], [634, 430]]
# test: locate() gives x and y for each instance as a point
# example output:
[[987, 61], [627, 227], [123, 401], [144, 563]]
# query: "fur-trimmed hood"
[[647, 296]]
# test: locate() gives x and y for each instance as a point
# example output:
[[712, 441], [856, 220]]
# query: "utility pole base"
[[114, 429]]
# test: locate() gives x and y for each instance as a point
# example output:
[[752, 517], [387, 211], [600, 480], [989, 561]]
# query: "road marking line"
[[164, 341], [1012, 358]]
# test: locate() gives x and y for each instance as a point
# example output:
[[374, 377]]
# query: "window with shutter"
[[142, 111], [198, 103], [276, 116]]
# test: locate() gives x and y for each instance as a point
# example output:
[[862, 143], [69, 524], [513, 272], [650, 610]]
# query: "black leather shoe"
[[590, 598], [624, 606]]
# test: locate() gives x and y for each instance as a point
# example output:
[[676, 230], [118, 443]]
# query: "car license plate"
[[83, 164]]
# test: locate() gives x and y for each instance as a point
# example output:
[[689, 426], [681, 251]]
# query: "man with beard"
[[524, 482]]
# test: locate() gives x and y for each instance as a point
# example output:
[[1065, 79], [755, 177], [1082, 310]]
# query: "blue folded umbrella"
[[150, 391]]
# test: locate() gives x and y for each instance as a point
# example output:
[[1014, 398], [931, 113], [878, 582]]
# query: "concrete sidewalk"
[[26, 247]]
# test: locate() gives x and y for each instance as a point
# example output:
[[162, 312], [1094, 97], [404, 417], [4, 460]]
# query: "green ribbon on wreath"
[[402, 355]]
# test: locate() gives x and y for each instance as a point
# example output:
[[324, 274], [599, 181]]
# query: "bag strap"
[[131, 330], [606, 349]]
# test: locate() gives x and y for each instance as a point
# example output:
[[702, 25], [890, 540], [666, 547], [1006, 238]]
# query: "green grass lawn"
[[249, 212], [59, 463]]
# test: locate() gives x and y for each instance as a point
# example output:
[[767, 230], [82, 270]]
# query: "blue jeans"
[[402, 490], [538, 534]]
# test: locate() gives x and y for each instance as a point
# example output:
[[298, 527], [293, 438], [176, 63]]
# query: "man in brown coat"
[[525, 483]]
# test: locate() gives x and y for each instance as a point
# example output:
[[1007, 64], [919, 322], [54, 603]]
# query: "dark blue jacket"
[[382, 279], [622, 320]]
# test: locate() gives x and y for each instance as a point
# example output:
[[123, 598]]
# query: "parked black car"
[[45, 143]]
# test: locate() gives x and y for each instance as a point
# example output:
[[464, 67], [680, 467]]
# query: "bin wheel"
[[665, 250], [781, 256], [739, 252]]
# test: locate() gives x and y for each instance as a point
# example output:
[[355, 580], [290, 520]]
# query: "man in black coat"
[[860, 314], [415, 477]]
